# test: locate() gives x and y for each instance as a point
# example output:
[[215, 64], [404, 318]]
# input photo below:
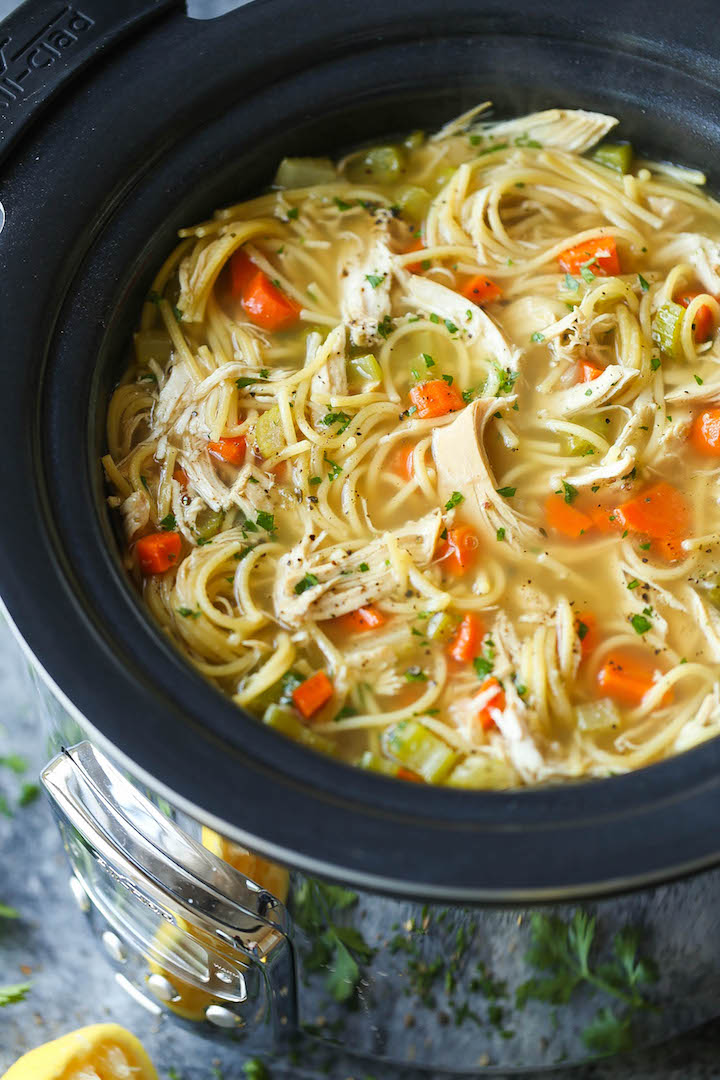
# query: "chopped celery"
[[269, 432], [667, 327], [713, 593], [365, 369], [378, 165], [597, 715], [377, 763], [414, 140], [420, 750], [577, 446], [616, 156], [480, 771], [413, 201], [208, 523], [441, 178], [152, 345], [283, 718], [441, 626], [297, 172]]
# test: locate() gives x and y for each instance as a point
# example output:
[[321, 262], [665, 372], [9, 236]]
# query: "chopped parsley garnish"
[[571, 283], [433, 317], [429, 362], [537, 337], [315, 480], [335, 469], [569, 492], [525, 140], [582, 629], [426, 264], [201, 541], [385, 327], [244, 381], [483, 666], [455, 499], [450, 326], [264, 372], [655, 363], [292, 214], [341, 204], [143, 481], [415, 674], [341, 418], [240, 555], [587, 274], [188, 613], [640, 624], [448, 379], [375, 279], [634, 584], [363, 567], [588, 393], [507, 379], [506, 492], [168, 522], [644, 285], [177, 313], [698, 380], [266, 521], [489, 149], [306, 583], [500, 534], [646, 546]]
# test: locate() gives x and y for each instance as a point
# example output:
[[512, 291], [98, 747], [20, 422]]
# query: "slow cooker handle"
[[207, 942], [40, 51]]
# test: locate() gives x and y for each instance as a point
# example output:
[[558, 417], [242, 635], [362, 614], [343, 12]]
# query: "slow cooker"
[[445, 929]]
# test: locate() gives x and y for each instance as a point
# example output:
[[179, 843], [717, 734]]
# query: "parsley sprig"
[[565, 952], [335, 948]]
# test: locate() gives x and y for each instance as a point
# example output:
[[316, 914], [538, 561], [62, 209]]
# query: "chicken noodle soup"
[[417, 458]]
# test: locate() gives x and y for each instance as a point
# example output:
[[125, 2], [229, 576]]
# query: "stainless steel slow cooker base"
[[436, 986]]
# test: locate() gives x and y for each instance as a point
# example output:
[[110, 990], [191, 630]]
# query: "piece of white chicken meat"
[[366, 280], [462, 466], [574, 130], [336, 580]]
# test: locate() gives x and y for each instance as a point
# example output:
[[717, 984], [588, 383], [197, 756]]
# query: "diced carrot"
[[242, 271], [232, 450], [180, 475], [416, 267], [466, 641], [587, 371], [459, 550], [158, 552], [267, 305], [586, 630], [312, 694], [435, 398], [599, 255], [705, 433], [704, 320], [661, 513], [603, 517], [497, 701], [402, 462], [565, 519], [407, 774], [627, 679], [364, 618], [481, 290]]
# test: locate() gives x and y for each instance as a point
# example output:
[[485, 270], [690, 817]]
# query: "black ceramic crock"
[[119, 124]]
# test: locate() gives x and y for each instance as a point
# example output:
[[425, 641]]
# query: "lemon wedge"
[[97, 1052]]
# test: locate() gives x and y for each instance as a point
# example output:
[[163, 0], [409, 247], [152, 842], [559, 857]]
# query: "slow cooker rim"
[[54, 654]]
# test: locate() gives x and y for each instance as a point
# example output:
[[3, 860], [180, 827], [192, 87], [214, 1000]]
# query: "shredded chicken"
[[366, 283], [475, 326], [605, 388], [574, 130], [135, 512], [348, 578], [462, 465]]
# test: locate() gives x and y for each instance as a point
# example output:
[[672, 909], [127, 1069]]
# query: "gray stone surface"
[[72, 984]]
